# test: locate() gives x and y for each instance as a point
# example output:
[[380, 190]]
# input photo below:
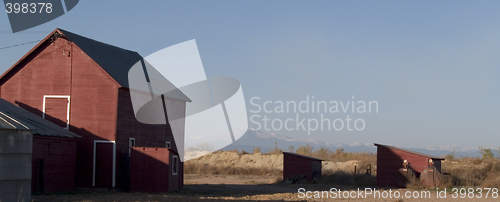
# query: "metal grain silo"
[[406, 175], [431, 176], [15, 161]]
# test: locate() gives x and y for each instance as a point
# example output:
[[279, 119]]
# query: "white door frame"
[[58, 96], [114, 160]]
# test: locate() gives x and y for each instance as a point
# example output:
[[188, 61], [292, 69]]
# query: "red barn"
[[296, 164], [390, 160], [82, 85], [53, 160]]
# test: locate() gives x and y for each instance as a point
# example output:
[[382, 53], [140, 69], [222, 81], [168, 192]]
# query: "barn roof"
[[413, 152], [308, 157], [14, 117], [115, 61]]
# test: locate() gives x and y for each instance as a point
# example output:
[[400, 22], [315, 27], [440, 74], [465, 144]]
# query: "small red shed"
[[155, 170], [53, 152], [296, 164], [390, 160]]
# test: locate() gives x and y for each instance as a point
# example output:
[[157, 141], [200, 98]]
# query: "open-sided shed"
[[390, 160], [296, 165]]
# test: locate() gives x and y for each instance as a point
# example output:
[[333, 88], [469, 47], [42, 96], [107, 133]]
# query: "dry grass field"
[[255, 177], [473, 172]]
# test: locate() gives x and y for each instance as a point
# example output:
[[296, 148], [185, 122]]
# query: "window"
[[56, 108], [167, 144], [175, 164], [131, 143]]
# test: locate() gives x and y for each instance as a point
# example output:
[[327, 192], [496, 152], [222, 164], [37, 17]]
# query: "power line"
[[19, 44]]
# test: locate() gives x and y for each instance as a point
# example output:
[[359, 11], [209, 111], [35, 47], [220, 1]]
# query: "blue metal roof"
[[114, 60], [16, 118]]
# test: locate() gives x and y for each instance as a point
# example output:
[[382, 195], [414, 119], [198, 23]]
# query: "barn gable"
[[115, 61]]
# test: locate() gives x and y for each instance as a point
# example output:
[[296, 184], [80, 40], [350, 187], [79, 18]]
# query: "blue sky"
[[432, 66]]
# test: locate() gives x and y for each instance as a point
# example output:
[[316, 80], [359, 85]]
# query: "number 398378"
[[28, 7]]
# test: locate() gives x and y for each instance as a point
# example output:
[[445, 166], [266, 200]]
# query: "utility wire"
[[19, 44]]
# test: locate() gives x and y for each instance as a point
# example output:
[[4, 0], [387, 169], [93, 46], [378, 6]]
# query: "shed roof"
[[413, 152], [308, 157], [14, 117]]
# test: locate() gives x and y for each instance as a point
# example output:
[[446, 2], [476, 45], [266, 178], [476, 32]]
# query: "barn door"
[[56, 109], [104, 164]]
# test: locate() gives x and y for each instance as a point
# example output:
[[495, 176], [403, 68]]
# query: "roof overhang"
[[409, 151]]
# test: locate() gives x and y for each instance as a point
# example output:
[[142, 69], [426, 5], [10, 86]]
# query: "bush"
[[486, 153], [275, 151], [451, 156], [307, 150], [322, 153]]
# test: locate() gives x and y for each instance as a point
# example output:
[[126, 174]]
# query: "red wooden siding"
[[46, 72], [56, 110], [389, 160], [151, 170], [300, 165], [59, 155], [146, 135], [94, 98]]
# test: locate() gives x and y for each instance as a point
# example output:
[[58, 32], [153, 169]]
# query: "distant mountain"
[[267, 141]]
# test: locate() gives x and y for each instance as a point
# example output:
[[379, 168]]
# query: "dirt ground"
[[236, 188], [260, 187]]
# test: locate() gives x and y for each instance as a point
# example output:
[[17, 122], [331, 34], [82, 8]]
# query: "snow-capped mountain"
[[268, 141]]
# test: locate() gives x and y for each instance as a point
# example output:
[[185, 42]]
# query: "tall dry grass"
[[191, 167], [338, 155], [348, 178], [472, 172], [199, 166]]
